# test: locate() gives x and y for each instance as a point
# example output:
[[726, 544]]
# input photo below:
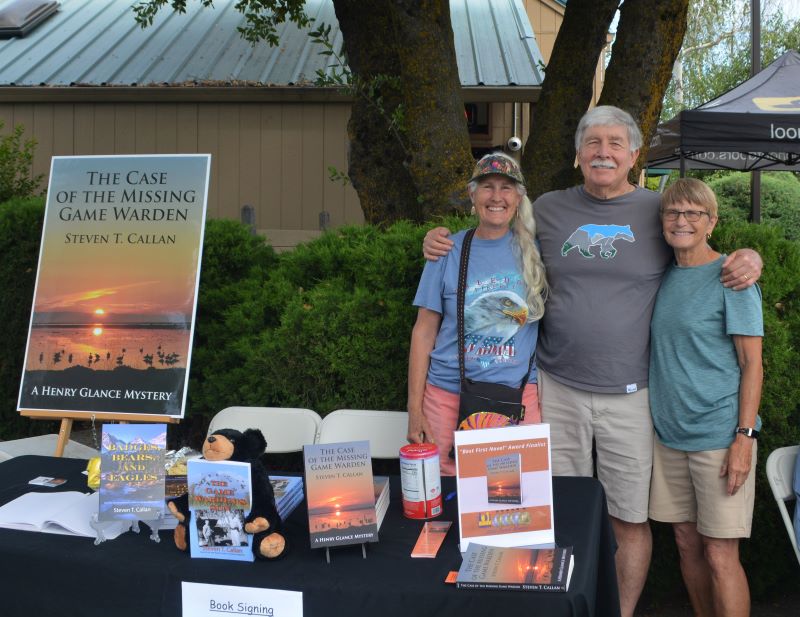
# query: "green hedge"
[[20, 235], [780, 199], [768, 556], [328, 325]]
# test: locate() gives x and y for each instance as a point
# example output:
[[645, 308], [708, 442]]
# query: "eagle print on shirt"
[[494, 311]]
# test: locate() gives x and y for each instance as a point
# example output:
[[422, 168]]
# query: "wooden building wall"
[[271, 156]]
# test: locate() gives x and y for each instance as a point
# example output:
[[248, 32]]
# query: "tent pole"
[[683, 165], [755, 196], [755, 67]]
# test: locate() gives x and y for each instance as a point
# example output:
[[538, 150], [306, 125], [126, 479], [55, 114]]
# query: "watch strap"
[[747, 432]]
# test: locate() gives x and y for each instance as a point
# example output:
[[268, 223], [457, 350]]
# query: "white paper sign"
[[505, 488], [202, 600]]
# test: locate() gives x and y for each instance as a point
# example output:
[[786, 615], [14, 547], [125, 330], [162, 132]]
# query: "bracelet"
[[747, 432]]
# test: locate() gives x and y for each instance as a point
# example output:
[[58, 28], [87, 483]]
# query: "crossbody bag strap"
[[460, 295]]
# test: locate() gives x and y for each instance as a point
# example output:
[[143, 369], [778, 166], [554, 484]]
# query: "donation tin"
[[419, 477]]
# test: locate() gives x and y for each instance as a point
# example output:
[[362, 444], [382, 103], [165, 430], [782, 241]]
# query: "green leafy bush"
[[16, 165], [20, 234], [235, 261], [780, 199], [780, 399]]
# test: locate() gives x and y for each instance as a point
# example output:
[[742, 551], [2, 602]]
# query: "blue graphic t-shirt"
[[498, 338]]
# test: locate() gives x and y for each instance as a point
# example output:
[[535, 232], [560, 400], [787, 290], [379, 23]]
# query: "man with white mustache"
[[594, 339]]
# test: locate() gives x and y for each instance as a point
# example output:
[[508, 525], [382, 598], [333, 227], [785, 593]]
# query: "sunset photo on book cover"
[[113, 310], [341, 494]]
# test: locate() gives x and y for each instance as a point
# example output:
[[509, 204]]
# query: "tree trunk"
[[376, 160], [548, 161], [648, 41], [422, 171]]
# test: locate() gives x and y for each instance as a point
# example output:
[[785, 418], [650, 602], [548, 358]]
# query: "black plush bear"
[[263, 522]]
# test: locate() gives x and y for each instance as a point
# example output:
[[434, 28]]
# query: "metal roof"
[[93, 43]]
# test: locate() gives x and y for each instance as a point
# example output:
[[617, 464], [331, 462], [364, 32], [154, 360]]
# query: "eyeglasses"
[[691, 215]]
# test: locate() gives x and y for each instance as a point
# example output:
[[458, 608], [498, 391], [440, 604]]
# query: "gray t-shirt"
[[604, 261]]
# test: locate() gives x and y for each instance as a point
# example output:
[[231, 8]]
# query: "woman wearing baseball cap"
[[505, 290]]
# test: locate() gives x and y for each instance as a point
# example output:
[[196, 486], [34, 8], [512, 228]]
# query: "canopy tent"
[[754, 126]]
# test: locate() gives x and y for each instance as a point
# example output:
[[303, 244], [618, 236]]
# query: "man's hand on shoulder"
[[741, 269], [436, 243]]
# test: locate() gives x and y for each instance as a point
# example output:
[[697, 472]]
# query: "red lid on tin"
[[419, 450]]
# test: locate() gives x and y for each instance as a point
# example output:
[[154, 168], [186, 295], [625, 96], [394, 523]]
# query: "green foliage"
[[16, 164], [715, 56], [234, 262], [328, 326], [20, 234], [780, 400], [780, 199]]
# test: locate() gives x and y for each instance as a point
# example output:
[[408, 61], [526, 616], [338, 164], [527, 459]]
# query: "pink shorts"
[[440, 408]]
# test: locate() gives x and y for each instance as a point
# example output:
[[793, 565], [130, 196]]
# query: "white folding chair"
[[385, 430], [286, 429], [780, 469]]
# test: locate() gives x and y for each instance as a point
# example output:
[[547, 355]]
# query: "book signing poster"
[[505, 490], [116, 289]]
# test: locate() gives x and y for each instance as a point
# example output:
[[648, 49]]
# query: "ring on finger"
[[746, 278]]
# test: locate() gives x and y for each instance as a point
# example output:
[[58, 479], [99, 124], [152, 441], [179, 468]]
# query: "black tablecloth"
[[48, 574]]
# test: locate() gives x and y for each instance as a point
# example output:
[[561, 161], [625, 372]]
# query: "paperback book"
[[220, 496], [132, 471], [340, 494], [521, 569], [503, 479], [505, 489], [381, 486], [288, 495]]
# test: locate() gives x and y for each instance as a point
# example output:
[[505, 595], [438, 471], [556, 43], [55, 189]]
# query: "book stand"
[[133, 525], [363, 552]]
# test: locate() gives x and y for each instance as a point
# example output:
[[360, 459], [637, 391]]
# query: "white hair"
[[608, 115]]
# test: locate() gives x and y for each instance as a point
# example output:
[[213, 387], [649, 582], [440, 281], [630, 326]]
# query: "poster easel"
[[68, 417]]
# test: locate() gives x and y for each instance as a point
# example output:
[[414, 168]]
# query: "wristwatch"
[[748, 432]]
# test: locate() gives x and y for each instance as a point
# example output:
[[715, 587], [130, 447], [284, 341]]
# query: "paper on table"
[[66, 513]]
